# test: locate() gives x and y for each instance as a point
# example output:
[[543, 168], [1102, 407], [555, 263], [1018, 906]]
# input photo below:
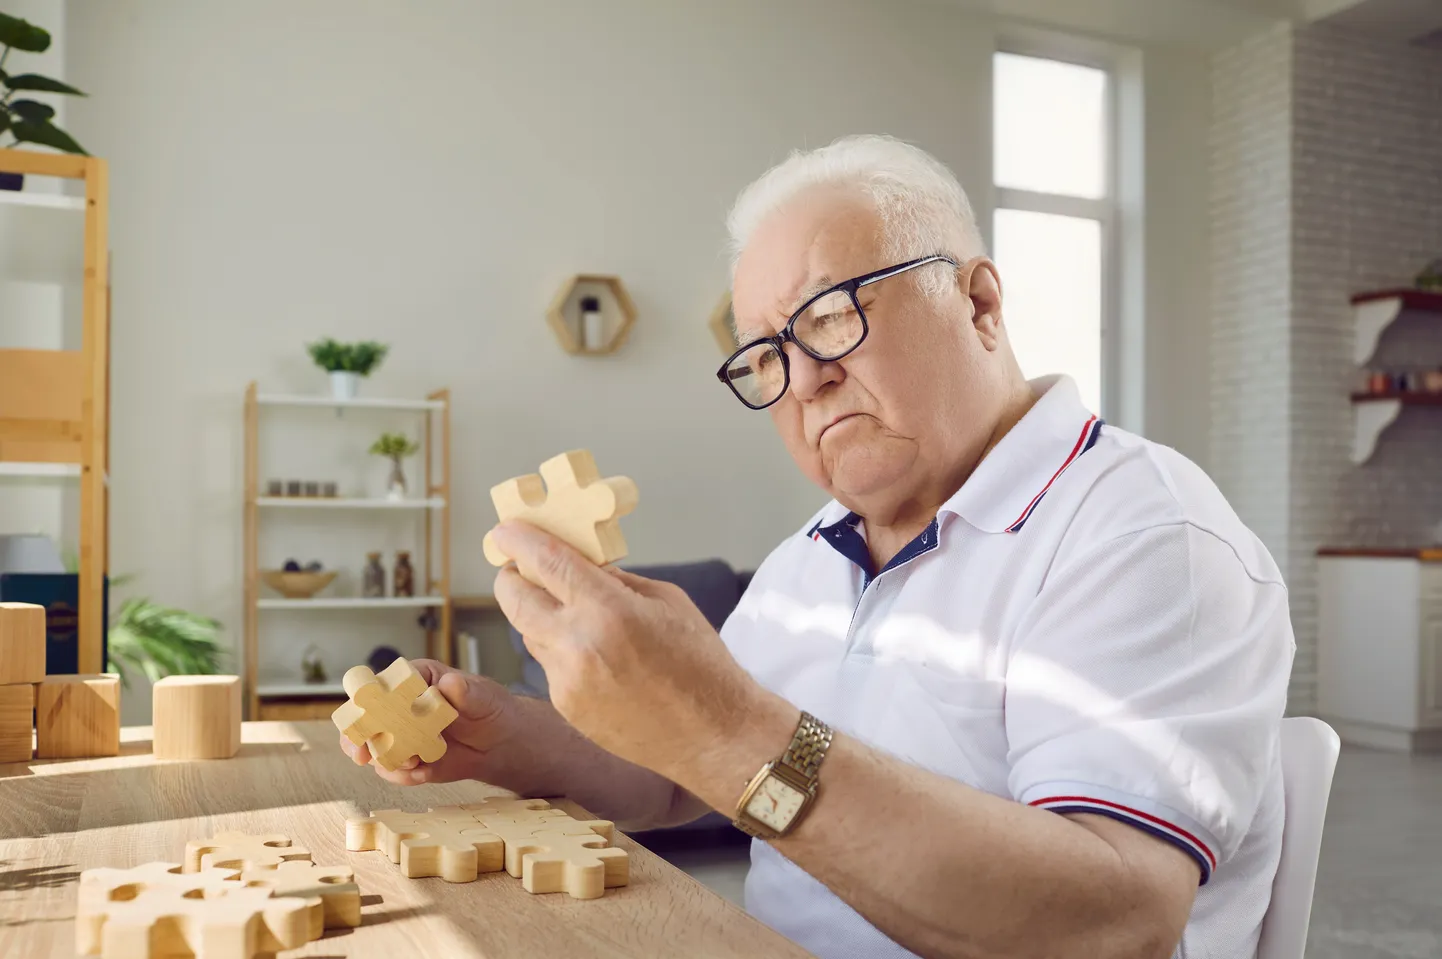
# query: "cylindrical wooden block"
[[22, 643], [196, 717]]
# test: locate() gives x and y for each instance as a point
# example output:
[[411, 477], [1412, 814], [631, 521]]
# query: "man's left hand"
[[631, 662]]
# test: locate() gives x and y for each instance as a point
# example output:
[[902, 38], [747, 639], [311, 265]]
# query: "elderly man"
[[1015, 691]]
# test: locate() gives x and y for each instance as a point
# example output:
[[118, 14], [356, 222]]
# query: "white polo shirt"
[[1086, 626]]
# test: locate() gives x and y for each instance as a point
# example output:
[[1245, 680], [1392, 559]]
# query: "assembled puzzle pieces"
[[456, 848], [395, 713], [548, 850], [570, 500]]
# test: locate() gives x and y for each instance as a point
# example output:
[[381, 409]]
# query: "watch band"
[[808, 746]]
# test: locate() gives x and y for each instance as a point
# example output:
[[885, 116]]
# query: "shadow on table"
[[26, 878]]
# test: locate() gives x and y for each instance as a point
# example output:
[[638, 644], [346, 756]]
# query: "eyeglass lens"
[[828, 328]]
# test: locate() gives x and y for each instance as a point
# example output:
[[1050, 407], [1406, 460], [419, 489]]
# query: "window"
[[1052, 164]]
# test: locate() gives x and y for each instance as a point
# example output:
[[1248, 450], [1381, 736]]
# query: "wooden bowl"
[[299, 585]]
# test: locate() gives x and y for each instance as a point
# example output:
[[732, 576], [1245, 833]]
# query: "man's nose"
[[808, 376]]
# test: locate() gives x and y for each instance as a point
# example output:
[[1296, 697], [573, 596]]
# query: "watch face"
[[775, 803]]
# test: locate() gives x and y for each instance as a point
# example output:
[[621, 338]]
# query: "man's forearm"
[[559, 761], [946, 870]]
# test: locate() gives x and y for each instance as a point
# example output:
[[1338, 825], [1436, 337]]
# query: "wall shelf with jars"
[[411, 580], [1383, 393]]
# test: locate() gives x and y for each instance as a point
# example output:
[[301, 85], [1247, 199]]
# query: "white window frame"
[[1119, 212]]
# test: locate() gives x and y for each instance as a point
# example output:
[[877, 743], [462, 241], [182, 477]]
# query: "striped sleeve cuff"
[[1146, 815]]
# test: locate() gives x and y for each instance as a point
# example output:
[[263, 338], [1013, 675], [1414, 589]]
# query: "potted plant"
[[26, 120], [346, 363], [161, 641], [397, 447]]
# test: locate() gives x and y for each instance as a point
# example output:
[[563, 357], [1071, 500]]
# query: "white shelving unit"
[[290, 502], [359, 403], [353, 602], [275, 697]]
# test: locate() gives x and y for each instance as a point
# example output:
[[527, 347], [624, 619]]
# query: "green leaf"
[[21, 35], [46, 134], [32, 110], [34, 81], [4, 121]]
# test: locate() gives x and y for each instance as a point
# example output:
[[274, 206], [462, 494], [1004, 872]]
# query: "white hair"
[[923, 208]]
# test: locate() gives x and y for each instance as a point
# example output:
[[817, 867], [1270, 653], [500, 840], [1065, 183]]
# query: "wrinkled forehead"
[[813, 241]]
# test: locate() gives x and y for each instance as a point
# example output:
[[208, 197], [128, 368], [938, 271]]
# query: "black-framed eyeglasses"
[[827, 327]]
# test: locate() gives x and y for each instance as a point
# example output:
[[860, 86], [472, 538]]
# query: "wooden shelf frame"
[[433, 577], [55, 404]]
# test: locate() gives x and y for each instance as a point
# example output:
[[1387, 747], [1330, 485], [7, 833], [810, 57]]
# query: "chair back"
[[1309, 758]]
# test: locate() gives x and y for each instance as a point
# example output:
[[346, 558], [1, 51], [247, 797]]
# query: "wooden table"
[[59, 817]]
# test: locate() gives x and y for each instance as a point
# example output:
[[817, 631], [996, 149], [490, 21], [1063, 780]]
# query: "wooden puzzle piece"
[[570, 500], [160, 922], [520, 833], [503, 806], [332, 890], [99, 886], [238, 851], [583, 866], [425, 844], [395, 713]]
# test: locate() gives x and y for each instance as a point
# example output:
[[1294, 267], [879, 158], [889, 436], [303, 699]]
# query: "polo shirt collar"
[[1008, 485]]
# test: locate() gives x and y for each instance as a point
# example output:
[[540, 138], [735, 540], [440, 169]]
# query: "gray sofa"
[[715, 587]]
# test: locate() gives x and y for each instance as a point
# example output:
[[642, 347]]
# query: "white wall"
[[1328, 163], [428, 175]]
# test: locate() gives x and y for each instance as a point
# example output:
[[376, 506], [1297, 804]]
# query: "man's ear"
[[983, 284]]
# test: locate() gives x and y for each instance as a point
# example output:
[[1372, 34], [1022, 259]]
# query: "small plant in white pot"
[[346, 363], [396, 447]]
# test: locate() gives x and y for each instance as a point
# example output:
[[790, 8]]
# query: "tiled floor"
[[1379, 882]]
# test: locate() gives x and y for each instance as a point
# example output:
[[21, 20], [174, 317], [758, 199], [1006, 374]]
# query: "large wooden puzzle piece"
[[240, 851], [102, 885], [520, 834], [331, 890], [227, 921], [395, 713], [570, 500], [428, 844], [583, 866]]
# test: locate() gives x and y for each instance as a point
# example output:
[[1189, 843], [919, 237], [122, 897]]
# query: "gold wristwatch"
[[782, 791]]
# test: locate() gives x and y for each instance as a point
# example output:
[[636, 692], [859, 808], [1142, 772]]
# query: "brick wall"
[[1359, 138]]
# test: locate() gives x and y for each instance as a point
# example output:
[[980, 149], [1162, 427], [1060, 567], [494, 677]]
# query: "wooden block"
[[196, 717], [77, 716], [582, 866], [17, 722], [242, 851], [394, 713], [570, 500], [429, 844], [220, 922], [22, 643], [334, 887]]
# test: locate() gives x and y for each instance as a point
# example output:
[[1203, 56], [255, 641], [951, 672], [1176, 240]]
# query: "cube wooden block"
[[77, 716], [196, 717], [22, 643], [17, 722]]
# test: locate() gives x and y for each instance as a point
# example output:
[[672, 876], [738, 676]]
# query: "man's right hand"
[[483, 742]]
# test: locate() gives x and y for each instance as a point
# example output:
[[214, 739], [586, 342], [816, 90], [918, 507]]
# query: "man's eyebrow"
[[819, 285]]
